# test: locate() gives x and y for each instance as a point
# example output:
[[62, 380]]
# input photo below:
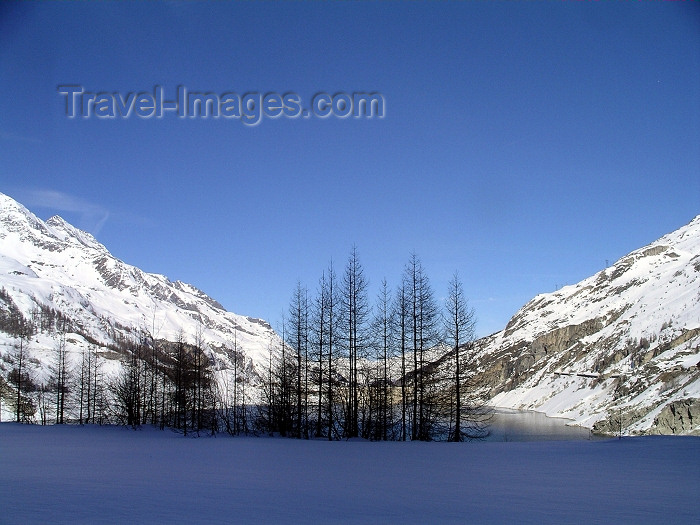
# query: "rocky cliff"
[[619, 348]]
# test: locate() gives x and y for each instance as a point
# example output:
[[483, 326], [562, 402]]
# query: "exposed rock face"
[[620, 346], [678, 417], [561, 339], [618, 421]]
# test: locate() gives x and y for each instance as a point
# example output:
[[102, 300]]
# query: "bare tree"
[[85, 385], [20, 375], [460, 321], [332, 331], [425, 336], [234, 406], [182, 378], [125, 393], [382, 340], [401, 325], [298, 339], [61, 375], [355, 313], [319, 341]]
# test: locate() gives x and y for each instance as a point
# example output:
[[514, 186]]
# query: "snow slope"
[[106, 300], [624, 343]]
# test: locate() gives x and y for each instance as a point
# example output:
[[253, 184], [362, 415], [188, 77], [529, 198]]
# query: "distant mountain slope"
[[619, 348], [622, 344], [54, 265]]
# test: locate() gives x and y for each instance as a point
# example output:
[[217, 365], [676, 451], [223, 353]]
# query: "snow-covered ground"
[[71, 474]]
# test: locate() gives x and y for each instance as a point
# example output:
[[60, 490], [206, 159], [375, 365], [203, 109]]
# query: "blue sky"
[[523, 144]]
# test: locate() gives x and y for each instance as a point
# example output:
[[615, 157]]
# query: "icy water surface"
[[525, 425]]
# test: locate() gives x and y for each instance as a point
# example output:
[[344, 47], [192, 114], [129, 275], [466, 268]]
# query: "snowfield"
[[72, 474]]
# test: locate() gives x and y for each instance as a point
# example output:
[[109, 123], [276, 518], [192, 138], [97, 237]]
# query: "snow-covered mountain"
[[621, 347], [53, 265]]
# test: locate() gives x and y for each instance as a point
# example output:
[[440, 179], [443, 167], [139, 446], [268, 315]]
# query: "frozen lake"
[[525, 425], [106, 475]]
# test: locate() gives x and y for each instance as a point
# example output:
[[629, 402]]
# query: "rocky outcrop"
[[561, 339], [678, 417], [612, 352], [511, 365], [618, 421]]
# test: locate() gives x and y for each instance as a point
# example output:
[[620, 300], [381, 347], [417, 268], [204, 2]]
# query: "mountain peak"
[[56, 232], [15, 217], [55, 265], [67, 232]]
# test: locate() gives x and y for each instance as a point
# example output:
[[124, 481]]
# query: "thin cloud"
[[9, 136], [92, 216]]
